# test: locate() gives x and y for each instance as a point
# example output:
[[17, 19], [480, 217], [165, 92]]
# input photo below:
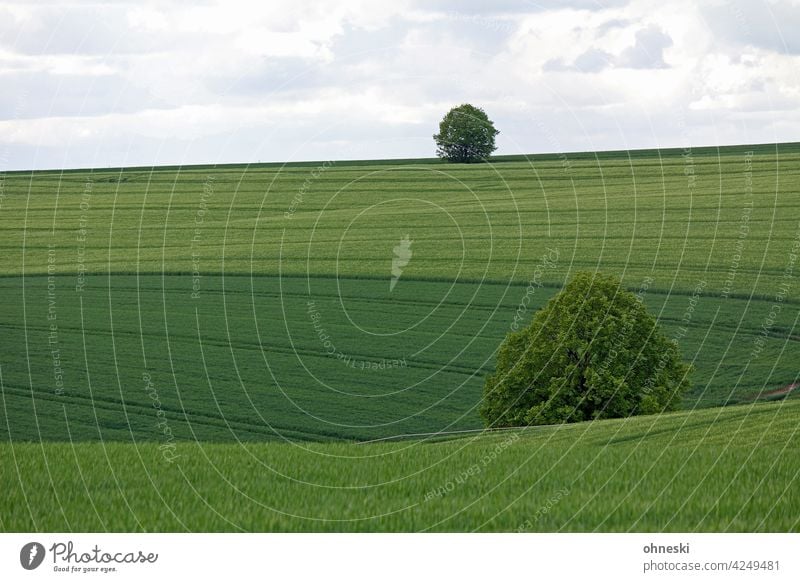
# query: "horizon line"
[[580, 154]]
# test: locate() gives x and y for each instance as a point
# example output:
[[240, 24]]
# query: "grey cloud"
[[555, 65], [648, 52], [272, 76], [769, 25], [66, 96], [611, 25], [593, 60], [518, 6]]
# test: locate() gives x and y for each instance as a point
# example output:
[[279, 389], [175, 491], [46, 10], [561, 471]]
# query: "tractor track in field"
[[223, 422]]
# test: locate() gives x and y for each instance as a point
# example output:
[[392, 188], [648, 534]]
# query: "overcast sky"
[[91, 84]]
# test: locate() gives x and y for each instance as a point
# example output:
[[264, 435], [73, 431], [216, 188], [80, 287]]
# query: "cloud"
[[648, 52], [78, 65], [195, 121], [96, 83], [591, 61], [767, 24]]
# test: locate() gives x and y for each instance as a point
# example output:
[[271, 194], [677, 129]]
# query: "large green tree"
[[466, 134], [592, 352]]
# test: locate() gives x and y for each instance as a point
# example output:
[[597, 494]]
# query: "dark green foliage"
[[466, 134], [593, 352]]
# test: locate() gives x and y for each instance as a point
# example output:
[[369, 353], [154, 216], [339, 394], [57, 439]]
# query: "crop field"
[[246, 362], [729, 469], [177, 340]]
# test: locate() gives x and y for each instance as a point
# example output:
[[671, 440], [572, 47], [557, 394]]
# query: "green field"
[[194, 309], [245, 362], [732, 469]]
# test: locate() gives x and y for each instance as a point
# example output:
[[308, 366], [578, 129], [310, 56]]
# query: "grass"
[[732, 469], [189, 309]]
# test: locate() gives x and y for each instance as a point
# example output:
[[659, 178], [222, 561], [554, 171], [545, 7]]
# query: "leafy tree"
[[592, 352], [465, 135]]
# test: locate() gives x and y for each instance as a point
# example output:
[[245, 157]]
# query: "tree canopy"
[[466, 134], [592, 352]]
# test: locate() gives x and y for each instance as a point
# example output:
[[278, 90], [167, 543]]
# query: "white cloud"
[[266, 43], [77, 65], [597, 74], [148, 18], [189, 122]]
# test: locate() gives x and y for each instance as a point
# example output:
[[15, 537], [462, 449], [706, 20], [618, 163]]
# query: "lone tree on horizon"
[[466, 135], [592, 352]]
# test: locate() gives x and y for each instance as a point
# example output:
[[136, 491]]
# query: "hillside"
[[253, 302], [720, 470]]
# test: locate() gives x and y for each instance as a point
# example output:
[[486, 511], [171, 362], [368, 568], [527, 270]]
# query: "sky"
[[98, 84]]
